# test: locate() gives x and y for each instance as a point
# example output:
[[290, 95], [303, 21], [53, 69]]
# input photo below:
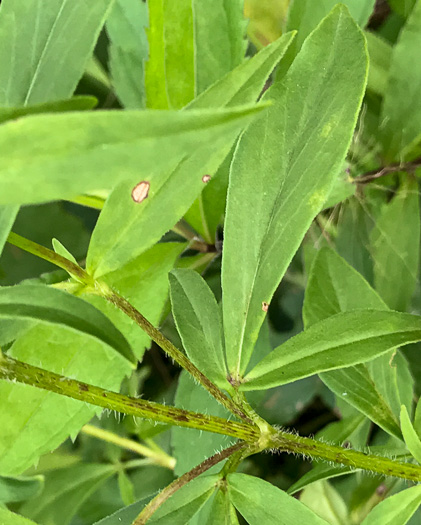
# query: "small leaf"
[[339, 341], [396, 510], [7, 218], [63, 251], [268, 504], [198, 319], [275, 193], [222, 511], [126, 488], [410, 436], [47, 157], [51, 306], [50, 42]]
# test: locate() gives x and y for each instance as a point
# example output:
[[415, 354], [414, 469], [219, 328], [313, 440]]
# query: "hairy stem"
[[386, 170], [159, 458], [173, 352], [14, 370], [279, 440], [177, 484]]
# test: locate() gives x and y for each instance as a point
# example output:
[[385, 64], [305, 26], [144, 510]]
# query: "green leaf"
[[260, 502], [380, 53], [63, 251], [339, 341], [402, 7], [401, 117], [335, 287], [219, 31], [126, 515], [48, 157], [222, 511], [144, 283], [7, 218], [325, 501], [79, 103], [128, 50], [170, 71], [10, 518], [410, 436], [65, 491], [395, 247], [51, 306], [397, 509], [20, 489], [45, 47], [198, 319], [36, 421], [126, 488], [274, 195], [201, 445], [112, 241]]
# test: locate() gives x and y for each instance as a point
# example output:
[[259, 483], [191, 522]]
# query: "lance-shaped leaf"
[[52, 306], [45, 47], [339, 341], [198, 319], [10, 518], [396, 510], [410, 436], [128, 50], [48, 157], [283, 171], [401, 116], [175, 189], [268, 503], [335, 287]]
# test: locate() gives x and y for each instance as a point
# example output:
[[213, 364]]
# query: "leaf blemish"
[[206, 178], [265, 306], [141, 191]]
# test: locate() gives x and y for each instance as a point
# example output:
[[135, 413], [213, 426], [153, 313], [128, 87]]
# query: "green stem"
[[177, 484], [90, 201], [50, 256], [275, 440], [160, 458], [13, 370], [172, 351]]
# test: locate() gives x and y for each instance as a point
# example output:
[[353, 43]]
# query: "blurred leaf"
[[397, 509], [326, 502], [79, 103], [144, 283], [395, 246], [412, 440], [380, 53], [50, 42], [220, 46], [66, 154], [198, 319], [402, 7], [36, 421], [268, 504], [126, 488], [170, 70], [200, 445], [400, 117], [274, 196], [7, 218], [128, 50], [9, 518], [65, 491], [339, 341], [20, 489]]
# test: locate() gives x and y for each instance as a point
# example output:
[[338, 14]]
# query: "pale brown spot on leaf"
[[265, 306], [206, 178], [140, 191]]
